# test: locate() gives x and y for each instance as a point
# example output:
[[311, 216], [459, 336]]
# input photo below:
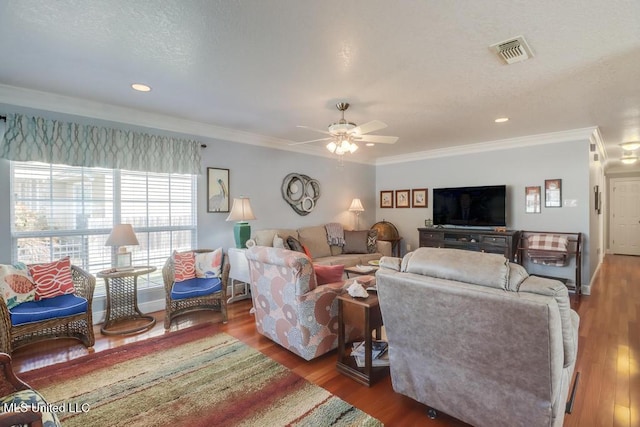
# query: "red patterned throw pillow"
[[185, 266], [52, 279]]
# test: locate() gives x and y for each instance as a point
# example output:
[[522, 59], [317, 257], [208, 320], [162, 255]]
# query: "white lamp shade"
[[241, 210], [122, 235], [356, 206]]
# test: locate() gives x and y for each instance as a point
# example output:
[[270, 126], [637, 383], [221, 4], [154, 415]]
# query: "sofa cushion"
[[265, 237], [184, 266], [355, 242], [196, 287], [328, 273], [16, 285], [47, 308], [478, 268], [315, 239], [52, 279], [208, 264]]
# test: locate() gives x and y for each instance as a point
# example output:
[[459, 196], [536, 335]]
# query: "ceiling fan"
[[343, 135]]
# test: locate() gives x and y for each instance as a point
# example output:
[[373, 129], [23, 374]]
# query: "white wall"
[[517, 168]]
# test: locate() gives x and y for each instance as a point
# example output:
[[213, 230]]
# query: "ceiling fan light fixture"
[[630, 145], [353, 148], [332, 147], [629, 160]]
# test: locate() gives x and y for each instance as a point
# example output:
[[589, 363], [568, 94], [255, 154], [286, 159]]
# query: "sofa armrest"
[[392, 263], [384, 247], [569, 319], [84, 283]]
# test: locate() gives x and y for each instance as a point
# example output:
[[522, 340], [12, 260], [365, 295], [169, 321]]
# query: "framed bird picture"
[[217, 190]]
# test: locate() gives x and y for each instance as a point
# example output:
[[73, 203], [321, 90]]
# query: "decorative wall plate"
[[301, 192]]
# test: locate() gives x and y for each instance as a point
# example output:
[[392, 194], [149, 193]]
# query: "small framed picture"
[[386, 199], [419, 198], [217, 190], [532, 199], [402, 198], [553, 193]]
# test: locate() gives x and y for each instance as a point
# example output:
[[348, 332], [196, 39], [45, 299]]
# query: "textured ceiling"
[[255, 69]]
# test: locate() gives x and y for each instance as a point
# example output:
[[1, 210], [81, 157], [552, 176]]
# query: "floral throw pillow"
[[52, 279], [184, 266], [209, 264], [16, 285]]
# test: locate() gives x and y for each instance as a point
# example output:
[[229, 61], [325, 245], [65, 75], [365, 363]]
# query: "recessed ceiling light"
[[630, 146], [141, 87], [501, 119], [370, 144]]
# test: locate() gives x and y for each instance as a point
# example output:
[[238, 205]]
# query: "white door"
[[625, 216]]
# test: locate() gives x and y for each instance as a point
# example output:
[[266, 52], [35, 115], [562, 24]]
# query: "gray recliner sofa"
[[476, 337]]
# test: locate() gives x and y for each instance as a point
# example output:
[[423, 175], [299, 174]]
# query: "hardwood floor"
[[608, 356]]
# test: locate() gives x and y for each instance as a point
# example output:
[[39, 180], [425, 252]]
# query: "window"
[[63, 211]]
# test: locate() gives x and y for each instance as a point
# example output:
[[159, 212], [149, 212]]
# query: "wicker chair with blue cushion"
[[186, 292], [15, 394], [61, 316]]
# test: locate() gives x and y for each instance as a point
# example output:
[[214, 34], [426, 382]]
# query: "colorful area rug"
[[195, 377]]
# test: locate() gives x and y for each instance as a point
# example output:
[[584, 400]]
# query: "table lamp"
[[356, 206], [241, 212], [122, 235]]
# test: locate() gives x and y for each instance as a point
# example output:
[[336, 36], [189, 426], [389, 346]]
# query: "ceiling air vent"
[[513, 50]]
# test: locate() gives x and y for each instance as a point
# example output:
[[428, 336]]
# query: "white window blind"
[[69, 211]]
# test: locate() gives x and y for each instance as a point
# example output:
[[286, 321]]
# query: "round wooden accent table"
[[122, 301]]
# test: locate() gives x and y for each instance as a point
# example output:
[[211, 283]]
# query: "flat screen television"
[[470, 206]]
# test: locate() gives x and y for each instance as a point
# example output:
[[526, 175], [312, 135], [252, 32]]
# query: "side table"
[[122, 300], [238, 272], [365, 315]]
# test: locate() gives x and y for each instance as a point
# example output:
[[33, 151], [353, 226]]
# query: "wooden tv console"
[[498, 242]]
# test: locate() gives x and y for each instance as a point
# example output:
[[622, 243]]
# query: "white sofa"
[[315, 239]]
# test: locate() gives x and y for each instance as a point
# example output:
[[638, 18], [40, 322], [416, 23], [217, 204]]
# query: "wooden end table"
[[364, 313], [122, 300]]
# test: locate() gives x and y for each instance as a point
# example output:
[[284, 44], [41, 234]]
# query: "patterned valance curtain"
[[51, 141]]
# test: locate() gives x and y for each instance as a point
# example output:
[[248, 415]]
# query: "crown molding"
[[47, 101], [502, 144]]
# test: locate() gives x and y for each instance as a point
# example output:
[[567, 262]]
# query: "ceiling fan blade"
[[313, 140], [371, 126], [314, 129], [378, 139]]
